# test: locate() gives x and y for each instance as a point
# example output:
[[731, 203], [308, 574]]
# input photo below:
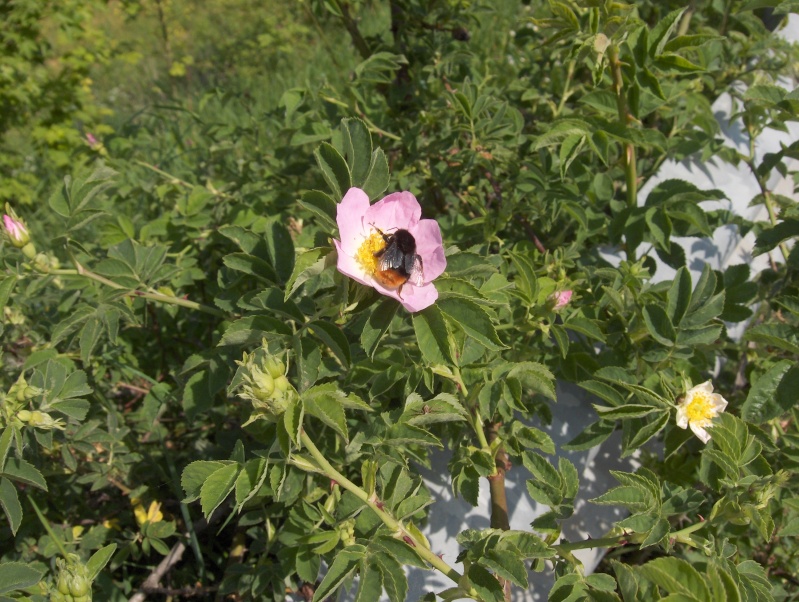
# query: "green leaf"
[[769, 397], [280, 247], [7, 285], [569, 150], [309, 264], [630, 410], [18, 575], [659, 326], [690, 41], [534, 376], [332, 336], [507, 564], [561, 130], [767, 95], [603, 101], [485, 584], [251, 330], [9, 500], [525, 279], [432, 335], [252, 265], [20, 470], [292, 419], [394, 581], [594, 434], [322, 206], [217, 487], [343, 565], [196, 473], [378, 178], [442, 408], [334, 168], [770, 238], [370, 584], [357, 143], [679, 296], [585, 326], [377, 325], [781, 336], [327, 408], [99, 559], [5, 444], [676, 576], [473, 320]]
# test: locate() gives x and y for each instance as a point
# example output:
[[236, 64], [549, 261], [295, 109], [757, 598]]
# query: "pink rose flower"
[[16, 231], [561, 299], [364, 228]]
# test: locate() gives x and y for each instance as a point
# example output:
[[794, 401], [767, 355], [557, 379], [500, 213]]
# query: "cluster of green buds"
[[13, 410], [73, 583], [261, 378]]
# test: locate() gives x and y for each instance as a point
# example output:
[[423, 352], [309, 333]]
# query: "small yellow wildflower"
[[152, 515], [698, 409]]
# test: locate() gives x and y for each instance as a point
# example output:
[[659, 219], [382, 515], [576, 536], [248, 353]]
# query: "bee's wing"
[[392, 258], [417, 271]]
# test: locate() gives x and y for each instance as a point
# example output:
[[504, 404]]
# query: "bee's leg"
[[399, 290]]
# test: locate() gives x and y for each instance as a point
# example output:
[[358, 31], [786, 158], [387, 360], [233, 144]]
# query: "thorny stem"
[[420, 547], [630, 171], [499, 501]]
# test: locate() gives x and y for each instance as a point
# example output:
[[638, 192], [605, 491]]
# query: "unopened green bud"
[[274, 366], [281, 384], [263, 385], [24, 415]]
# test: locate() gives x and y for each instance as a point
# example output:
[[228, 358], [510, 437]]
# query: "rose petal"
[[350, 219], [682, 418], [414, 298], [430, 247], [703, 435], [399, 210], [350, 267]]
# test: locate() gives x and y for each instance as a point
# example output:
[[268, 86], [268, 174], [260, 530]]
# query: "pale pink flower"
[[561, 299], [698, 409], [360, 226], [91, 139], [16, 231]]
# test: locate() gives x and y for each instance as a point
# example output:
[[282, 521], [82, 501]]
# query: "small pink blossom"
[[91, 139], [561, 299], [360, 225], [16, 231]]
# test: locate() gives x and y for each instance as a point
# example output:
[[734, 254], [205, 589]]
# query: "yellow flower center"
[[366, 252], [699, 410]]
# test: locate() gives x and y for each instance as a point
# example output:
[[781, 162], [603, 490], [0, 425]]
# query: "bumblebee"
[[398, 261]]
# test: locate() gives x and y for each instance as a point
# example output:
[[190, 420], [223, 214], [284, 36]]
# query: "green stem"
[[681, 536], [630, 170], [57, 541], [160, 297], [352, 28], [566, 92], [768, 201], [420, 547]]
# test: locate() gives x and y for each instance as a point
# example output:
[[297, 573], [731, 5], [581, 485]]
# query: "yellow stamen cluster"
[[366, 252], [699, 409]]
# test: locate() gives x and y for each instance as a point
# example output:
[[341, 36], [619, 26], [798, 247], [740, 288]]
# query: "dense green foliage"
[[183, 367]]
